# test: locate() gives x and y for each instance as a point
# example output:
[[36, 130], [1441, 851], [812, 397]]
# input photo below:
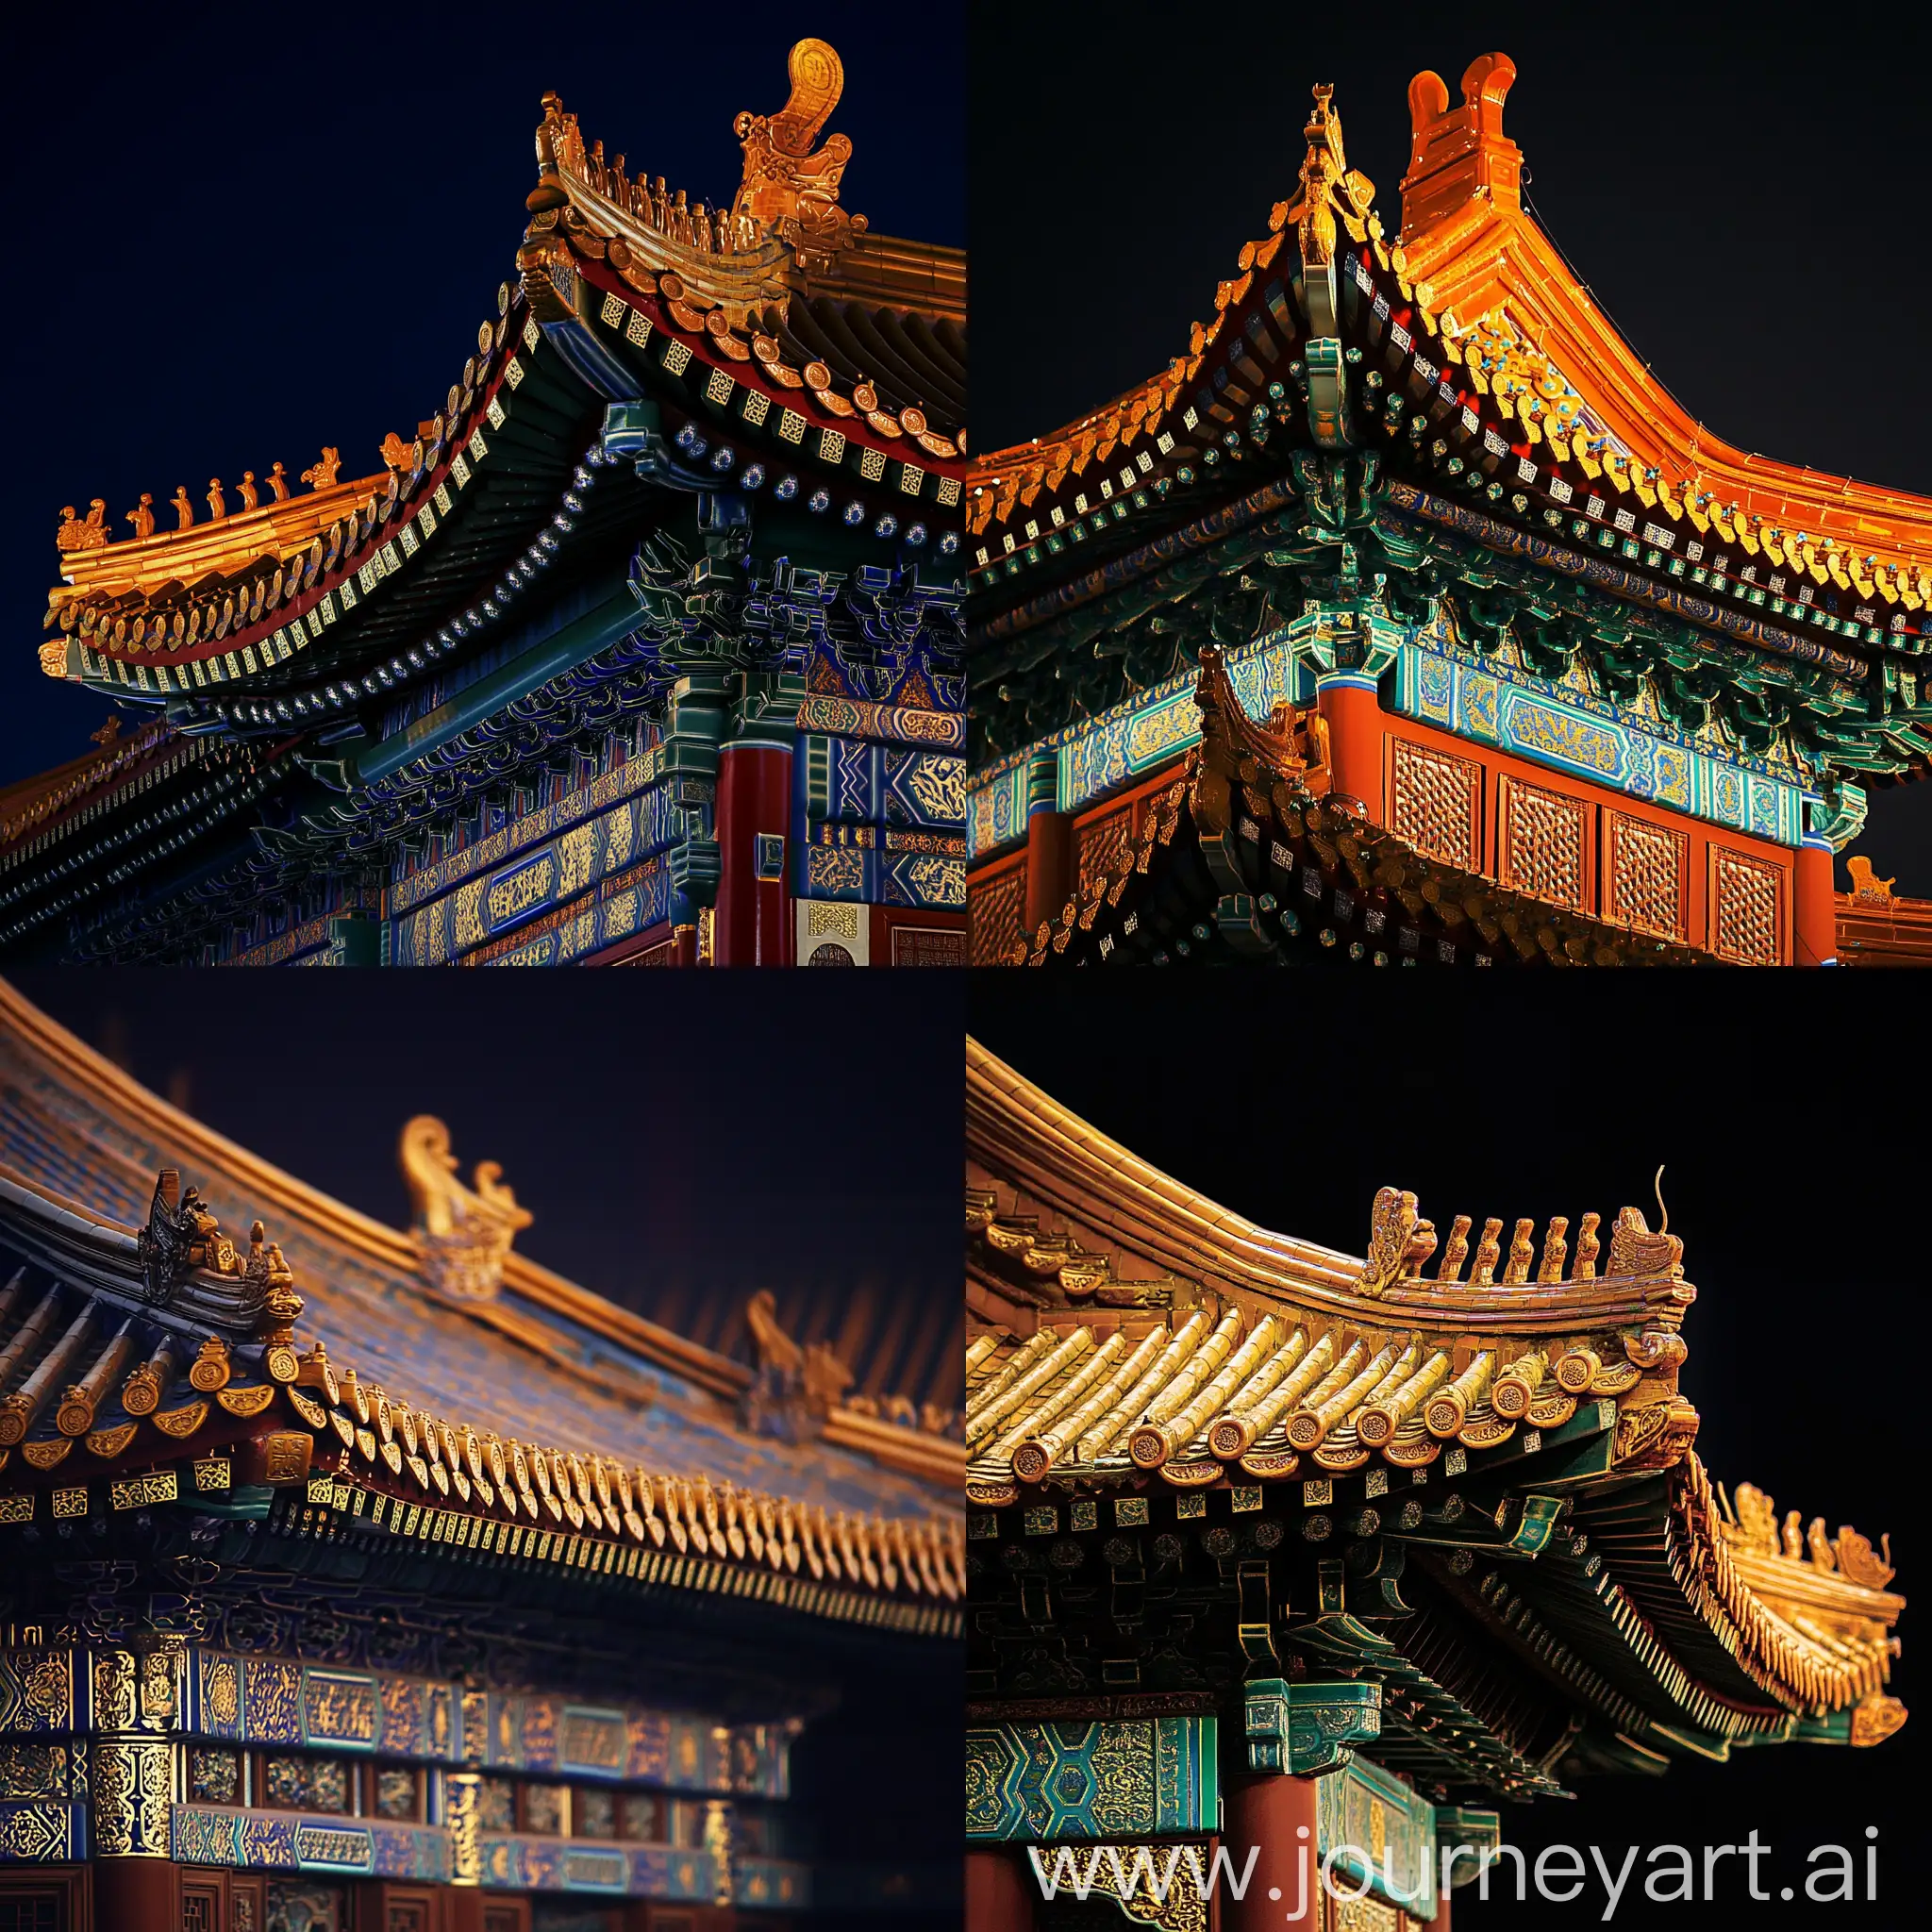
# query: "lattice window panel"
[[928, 945], [1542, 843], [1104, 846], [1746, 908], [1437, 803], [996, 916], [1647, 867]]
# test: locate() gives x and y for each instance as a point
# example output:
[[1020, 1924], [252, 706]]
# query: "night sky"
[[1787, 1169], [1741, 198], [691, 1143], [259, 230]]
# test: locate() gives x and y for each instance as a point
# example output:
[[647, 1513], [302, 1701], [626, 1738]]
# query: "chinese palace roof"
[[143, 1335], [351, 637], [1509, 1419], [1506, 426]]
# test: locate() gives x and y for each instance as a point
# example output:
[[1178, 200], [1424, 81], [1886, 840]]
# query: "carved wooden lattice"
[[1745, 923], [1544, 844], [1102, 844], [1646, 865], [1438, 804], [996, 913], [928, 945]]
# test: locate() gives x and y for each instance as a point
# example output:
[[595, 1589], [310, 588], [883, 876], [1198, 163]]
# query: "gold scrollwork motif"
[[35, 1834], [220, 1691], [461, 1792], [113, 1685], [33, 1770], [133, 1784]]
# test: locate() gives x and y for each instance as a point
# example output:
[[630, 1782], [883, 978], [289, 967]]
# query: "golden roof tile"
[[1515, 323], [1267, 1358]]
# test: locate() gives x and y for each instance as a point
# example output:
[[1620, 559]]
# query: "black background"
[[1739, 187], [241, 232], [1795, 1153]]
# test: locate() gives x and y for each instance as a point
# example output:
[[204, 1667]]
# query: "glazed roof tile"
[[1474, 309], [836, 348], [1130, 1333], [579, 1383]]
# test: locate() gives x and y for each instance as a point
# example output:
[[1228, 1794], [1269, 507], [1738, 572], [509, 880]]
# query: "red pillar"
[[1814, 925], [1347, 701], [462, 1908], [999, 1893], [1049, 871], [1278, 1814], [1052, 874], [136, 1892], [753, 915]]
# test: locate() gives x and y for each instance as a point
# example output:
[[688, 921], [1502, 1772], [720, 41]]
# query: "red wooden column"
[[753, 912], [1051, 872], [1347, 701], [463, 1910], [1276, 1813], [136, 1892], [999, 1893], [1814, 898]]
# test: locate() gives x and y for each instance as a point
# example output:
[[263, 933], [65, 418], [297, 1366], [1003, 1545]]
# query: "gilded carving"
[[1646, 865], [462, 1236], [1331, 190], [37, 1834], [1867, 888], [108, 1443], [460, 1819], [221, 1690], [286, 1457], [33, 1770], [1746, 908], [1875, 1718], [796, 1387], [340, 1710], [133, 1786], [1544, 842], [1656, 1436], [83, 533], [787, 186], [1400, 1241], [1437, 803]]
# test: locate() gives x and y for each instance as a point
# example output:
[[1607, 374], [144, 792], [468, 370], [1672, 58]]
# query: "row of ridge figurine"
[[90, 531]]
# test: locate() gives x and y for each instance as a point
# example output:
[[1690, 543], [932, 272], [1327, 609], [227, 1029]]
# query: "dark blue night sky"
[[679, 1142], [243, 233]]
